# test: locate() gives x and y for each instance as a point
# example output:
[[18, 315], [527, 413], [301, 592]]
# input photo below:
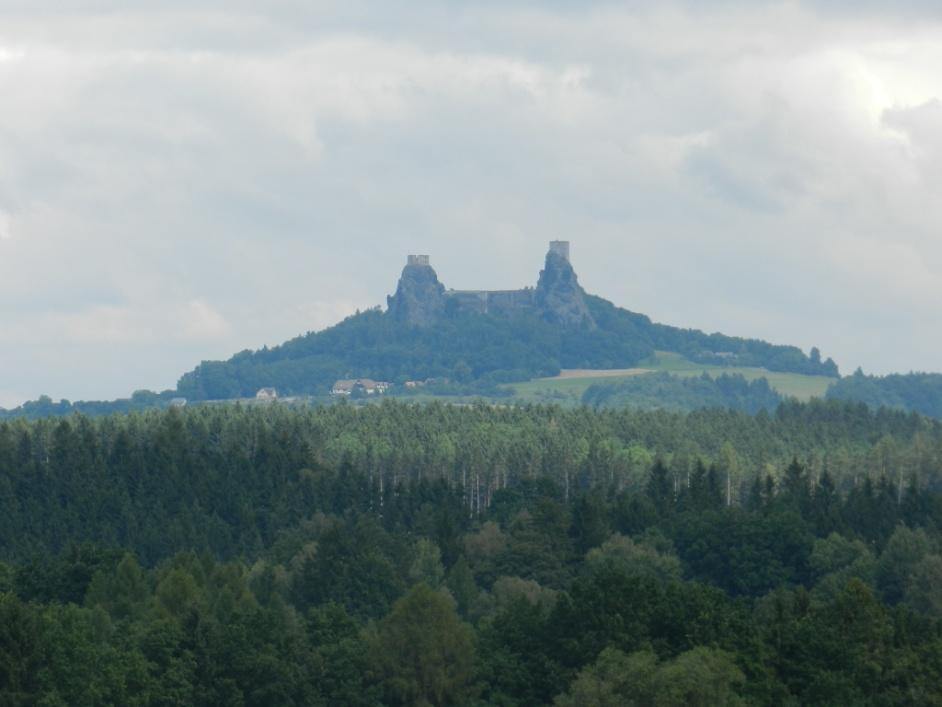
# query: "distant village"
[[356, 387], [346, 387]]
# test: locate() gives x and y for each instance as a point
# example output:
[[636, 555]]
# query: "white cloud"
[[201, 321], [204, 177]]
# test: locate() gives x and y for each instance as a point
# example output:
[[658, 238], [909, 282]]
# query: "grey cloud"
[[274, 165]]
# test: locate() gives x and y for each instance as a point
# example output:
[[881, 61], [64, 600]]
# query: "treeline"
[[920, 392], [229, 479], [664, 391], [45, 406], [657, 593], [714, 349]]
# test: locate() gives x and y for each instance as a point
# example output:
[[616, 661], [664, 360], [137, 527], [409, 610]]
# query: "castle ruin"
[[421, 300]]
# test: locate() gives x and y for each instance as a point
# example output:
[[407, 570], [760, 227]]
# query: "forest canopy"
[[664, 391], [403, 554]]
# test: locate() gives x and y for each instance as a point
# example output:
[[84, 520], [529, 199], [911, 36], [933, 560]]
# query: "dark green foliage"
[[919, 392], [475, 351], [742, 552], [664, 391], [423, 651], [271, 556]]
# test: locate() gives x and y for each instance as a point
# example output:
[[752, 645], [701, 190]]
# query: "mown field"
[[567, 389]]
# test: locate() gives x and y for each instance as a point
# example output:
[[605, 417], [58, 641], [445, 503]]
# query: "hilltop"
[[478, 339], [512, 344]]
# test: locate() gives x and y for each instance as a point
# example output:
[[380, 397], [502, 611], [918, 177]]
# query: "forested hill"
[[479, 339], [921, 392]]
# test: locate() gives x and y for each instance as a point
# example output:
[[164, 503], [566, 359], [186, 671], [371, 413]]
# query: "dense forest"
[[441, 555], [664, 391], [921, 392]]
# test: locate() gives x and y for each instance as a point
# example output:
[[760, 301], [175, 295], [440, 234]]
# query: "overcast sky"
[[178, 184]]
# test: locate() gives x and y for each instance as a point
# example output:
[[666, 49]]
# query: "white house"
[[369, 386]]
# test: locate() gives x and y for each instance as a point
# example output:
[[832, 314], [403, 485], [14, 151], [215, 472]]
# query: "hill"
[[479, 339], [920, 392]]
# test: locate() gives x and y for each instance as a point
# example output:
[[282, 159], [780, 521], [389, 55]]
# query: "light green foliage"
[[570, 391], [121, 592], [460, 582], [614, 680], [701, 677], [427, 565], [835, 560], [423, 651], [635, 558], [903, 552], [507, 590]]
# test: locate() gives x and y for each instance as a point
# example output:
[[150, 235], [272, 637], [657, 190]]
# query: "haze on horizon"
[[181, 183]]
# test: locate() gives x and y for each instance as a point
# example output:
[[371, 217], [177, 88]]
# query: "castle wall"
[[491, 301]]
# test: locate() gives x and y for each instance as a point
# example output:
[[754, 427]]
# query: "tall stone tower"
[[561, 248], [420, 297], [558, 292]]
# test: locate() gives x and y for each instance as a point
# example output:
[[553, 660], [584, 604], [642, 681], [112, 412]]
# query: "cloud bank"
[[177, 184]]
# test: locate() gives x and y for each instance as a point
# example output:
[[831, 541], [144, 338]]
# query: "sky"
[[180, 181]]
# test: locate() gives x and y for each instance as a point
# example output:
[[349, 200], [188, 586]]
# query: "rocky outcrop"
[[558, 294], [421, 300], [420, 297]]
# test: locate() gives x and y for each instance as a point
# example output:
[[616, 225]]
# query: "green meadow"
[[568, 391]]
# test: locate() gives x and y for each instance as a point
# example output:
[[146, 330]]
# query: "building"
[[422, 300], [178, 402], [266, 394], [367, 385]]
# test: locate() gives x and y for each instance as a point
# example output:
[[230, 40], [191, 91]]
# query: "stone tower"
[[420, 297], [558, 292], [561, 248]]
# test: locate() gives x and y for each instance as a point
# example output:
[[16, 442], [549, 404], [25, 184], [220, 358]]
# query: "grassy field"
[[567, 389]]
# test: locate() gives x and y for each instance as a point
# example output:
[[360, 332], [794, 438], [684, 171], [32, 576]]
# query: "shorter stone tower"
[[417, 260], [561, 248]]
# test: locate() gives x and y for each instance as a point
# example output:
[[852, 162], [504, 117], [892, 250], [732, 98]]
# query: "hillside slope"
[[479, 339]]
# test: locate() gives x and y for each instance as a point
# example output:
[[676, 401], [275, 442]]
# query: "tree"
[[924, 593], [615, 679], [632, 558], [700, 677], [460, 582], [660, 489], [422, 650], [427, 565], [904, 551], [590, 524]]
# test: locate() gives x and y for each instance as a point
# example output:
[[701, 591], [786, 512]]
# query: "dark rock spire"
[[420, 297], [558, 292]]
